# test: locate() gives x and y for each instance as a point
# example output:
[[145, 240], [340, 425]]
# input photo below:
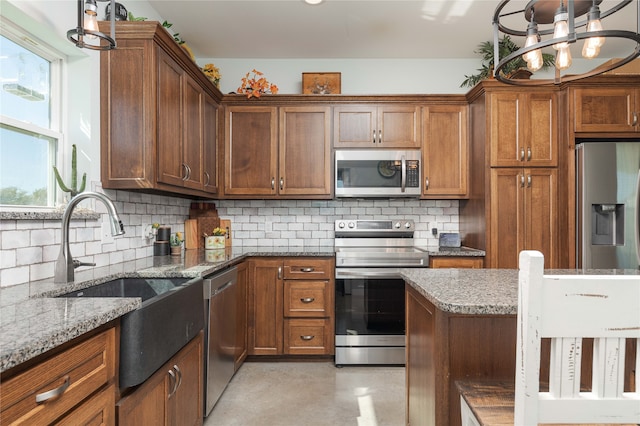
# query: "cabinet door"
[[507, 217], [506, 137], [399, 126], [146, 405], [541, 188], [444, 151], [184, 405], [355, 126], [241, 315], [265, 307], [606, 109], [210, 145], [251, 150], [193, 118], [456, 262], [305, 151], [171, 169], [540, 120]]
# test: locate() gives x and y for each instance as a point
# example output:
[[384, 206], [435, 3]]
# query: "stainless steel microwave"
[[377, 173]]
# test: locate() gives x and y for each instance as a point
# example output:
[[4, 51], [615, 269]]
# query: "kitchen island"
[[461, 324]]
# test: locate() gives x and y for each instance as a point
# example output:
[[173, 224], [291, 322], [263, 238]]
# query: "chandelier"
[[87, 34], [557, 19]]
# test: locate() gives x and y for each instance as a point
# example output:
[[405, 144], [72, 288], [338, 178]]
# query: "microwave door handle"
[[404, 174]]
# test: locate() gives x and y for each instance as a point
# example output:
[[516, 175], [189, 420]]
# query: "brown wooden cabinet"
[[278, 151], [172, 395], [524, 214], [472, 262], [445, 151], [606, 109], [291, 306], [241, 315], [524, 129], [158, 115], [70, 387], [376, 126]]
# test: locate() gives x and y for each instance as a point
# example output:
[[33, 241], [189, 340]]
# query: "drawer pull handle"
[[45, 396], [307, 269], [307, 337], [174, 383], [307, 299], [175, 367]]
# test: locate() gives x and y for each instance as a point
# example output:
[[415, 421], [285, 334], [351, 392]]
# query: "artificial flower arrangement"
[[216, 240], [213, 73], [176, 239], [219, 231], [257, 85]]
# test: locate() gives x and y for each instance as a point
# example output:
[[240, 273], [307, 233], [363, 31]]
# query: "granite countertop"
[[480, 291], [33, 321]]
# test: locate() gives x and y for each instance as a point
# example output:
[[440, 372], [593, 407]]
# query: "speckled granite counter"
[[32, 321], [478, 291]]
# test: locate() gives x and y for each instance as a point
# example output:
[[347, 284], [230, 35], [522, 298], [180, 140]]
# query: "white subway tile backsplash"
[[8, 259], [28, 255], [13, 276]]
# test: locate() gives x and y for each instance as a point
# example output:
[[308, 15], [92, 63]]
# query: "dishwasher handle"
[[217, 283]]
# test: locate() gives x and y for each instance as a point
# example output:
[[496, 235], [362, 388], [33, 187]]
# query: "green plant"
[[506, 46], [175, 240], [133, 18], [73, 188], [176, 36]]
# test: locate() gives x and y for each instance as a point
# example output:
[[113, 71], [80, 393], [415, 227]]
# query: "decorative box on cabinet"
[[172, 395], [371, 126], [158, 115], [76, 384], [278, 151], [291, 306], [445, 161]]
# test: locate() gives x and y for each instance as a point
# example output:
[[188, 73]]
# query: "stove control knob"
[[352, 225], [341, 225], [396, 225], [407, 225]]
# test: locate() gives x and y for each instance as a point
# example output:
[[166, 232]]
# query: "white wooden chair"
[[565, 309]]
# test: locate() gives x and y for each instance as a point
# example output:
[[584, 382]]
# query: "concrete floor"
[[311, 394]]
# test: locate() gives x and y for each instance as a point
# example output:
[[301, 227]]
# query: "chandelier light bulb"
[[563, 58], [592, 45], [533, 58], [560, 26], [91, 18]]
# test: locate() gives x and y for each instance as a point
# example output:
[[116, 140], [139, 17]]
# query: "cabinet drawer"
[[306, 298], [306, 268], [308, 336], [98, 410], [456, 262], [76, 373]]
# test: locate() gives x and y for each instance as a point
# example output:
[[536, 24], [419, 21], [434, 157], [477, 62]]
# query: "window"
[[29, 120]]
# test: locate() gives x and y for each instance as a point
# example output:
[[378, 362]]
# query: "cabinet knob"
[[635, 119], [279, 272], [379, 136], [307, 337], [174, 383], [521, 181], [528, 181], [374, 137], [307, 269], [186, 171], [521, 154], [273, 183], [281, 183], [45, 396], [426, 183], [206, 174], [528, 153], [307, 299]]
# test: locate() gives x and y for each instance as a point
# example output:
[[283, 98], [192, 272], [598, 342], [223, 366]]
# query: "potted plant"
[[176, 243], [216, 240], [506, 46]]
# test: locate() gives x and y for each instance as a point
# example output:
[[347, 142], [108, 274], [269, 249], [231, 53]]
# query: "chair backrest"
[[566, 309]]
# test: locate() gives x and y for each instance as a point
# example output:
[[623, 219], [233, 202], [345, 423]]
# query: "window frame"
[[57, 109]]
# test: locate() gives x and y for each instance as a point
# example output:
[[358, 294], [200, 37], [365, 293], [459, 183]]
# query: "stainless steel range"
[[370, 305]]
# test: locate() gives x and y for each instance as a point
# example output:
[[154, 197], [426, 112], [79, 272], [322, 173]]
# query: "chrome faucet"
[[65, 266]]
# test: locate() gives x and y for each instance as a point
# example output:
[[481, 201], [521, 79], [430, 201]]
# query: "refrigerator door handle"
[[637, 219]]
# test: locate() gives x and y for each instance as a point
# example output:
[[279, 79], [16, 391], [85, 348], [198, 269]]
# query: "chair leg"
[[468, 419]]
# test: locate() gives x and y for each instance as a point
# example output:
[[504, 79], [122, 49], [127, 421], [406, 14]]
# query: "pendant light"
[[592, 45], [534, 57], [86, 34]]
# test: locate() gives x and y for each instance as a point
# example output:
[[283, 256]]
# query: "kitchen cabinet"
[[606, 109], [445, 151], [291, 306], [524, 129], [278, 151], [456, 262], [524, 211], [241, 315], [172, 395], [77, 383], [158, 115], [376, 126]]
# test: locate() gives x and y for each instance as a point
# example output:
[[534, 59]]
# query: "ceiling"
[[348, 28]]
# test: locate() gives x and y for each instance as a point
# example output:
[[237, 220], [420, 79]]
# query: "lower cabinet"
[[291, 306], [456, 262], [76, 386], [172, 395], [241, 315]]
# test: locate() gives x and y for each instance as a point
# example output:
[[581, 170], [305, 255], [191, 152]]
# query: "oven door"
[[370, 316]]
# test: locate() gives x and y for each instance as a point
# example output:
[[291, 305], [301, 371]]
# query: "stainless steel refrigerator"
[[608, 181]]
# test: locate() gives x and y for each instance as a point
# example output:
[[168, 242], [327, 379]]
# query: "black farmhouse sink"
[[172, 313]]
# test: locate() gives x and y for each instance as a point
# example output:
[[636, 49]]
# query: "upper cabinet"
[[278, 151], [444, 151], [524, 129], [158, 116], [376, 126], [607, 109]]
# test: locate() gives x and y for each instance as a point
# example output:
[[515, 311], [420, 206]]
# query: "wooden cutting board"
[[226, 224], [191, 240]]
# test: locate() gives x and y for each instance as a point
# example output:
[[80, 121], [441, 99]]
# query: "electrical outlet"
[[146, 231], [434, 232], [106, 237]]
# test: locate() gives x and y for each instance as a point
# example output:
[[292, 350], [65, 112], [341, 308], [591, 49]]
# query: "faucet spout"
[[65, 266]]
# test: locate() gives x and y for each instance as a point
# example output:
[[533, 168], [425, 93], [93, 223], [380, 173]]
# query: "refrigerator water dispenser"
[[607, 224]]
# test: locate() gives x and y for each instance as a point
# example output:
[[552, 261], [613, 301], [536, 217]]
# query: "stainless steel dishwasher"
[[220, 333]]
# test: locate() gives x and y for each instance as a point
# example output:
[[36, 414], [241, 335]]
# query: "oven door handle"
[[342, 273]]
